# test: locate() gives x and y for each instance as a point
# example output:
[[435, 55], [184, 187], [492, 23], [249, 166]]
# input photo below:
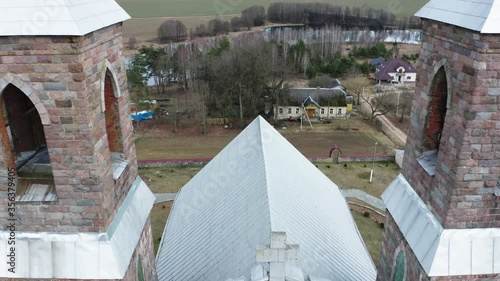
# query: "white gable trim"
[[441, 252]]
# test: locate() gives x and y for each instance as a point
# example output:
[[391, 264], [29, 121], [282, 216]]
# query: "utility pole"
[[397, 105], [373, 162]]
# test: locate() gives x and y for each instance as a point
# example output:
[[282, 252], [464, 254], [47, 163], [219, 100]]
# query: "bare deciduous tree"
[[378, 103]]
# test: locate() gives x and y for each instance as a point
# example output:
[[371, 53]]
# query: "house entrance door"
[[310, 112]]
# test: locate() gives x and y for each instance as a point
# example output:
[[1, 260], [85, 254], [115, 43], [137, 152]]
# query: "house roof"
[[441, 252], [391, 66], [299, 96], [258, 184], [377, 61], [58, 18], [482, 16]]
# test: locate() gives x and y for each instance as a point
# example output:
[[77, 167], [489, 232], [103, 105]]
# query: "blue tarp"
[[142, 115]]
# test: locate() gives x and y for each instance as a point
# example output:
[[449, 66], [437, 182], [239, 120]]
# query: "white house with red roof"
[[395, 70]]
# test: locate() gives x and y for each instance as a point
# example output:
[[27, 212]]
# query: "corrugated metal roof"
[[256, 185], [299, 95], [58, 17], [478, 15], [81, 255], [441, 252]]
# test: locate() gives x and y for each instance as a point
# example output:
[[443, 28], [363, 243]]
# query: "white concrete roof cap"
[[478, 15], [58, 17]]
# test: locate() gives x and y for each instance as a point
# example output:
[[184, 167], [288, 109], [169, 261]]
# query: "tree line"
[[176, 31], [316, 14], [347, 17]]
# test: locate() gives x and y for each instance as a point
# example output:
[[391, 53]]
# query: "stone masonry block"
[[278, 240]]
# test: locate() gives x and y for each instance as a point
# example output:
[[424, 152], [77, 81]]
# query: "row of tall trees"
[[297, 13], [326, 13]]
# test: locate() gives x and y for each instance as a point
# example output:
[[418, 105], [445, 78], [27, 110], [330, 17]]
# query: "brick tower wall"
[[62, 75], [461, 194]]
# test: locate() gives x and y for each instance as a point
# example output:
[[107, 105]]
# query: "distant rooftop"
[[477, 15], [58, 18], [391, 66]]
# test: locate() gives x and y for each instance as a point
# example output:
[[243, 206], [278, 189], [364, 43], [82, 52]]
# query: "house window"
[[289, 111], [408, 77], [281, 110], [113, 127], [322, 111], [25, 146], [331, 110], [339, 112], [297, 110]]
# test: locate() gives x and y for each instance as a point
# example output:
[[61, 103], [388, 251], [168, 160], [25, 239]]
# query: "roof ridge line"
[[261, 139]]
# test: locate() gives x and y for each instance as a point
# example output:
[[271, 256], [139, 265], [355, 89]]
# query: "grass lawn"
[[167, 179], [159, 216], [371, 233], [153, 143], [357, 176]]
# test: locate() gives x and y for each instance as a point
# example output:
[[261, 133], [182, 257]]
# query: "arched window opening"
[[437, 111], [25, 146], [434, 122], [112, 115], [113, 128]]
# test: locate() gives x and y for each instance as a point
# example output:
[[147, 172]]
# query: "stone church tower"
[[71, 203], [443, 210]]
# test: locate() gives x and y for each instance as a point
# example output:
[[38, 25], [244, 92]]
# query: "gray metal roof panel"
[[255, 186], [477, 15], [58, 17]]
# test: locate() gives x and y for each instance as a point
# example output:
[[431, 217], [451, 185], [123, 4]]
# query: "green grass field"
[[182, 8]]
